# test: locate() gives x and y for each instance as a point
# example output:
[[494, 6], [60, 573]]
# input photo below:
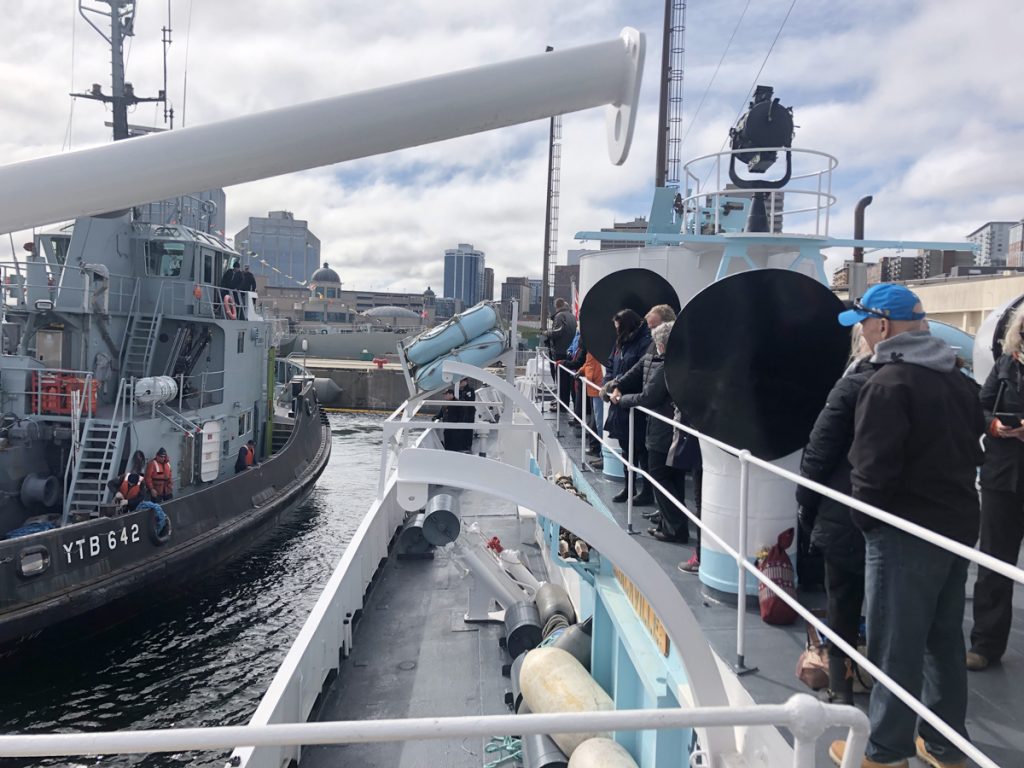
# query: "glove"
[[805, 516]]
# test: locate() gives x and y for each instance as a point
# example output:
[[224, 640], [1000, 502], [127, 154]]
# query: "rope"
[[508, 748]]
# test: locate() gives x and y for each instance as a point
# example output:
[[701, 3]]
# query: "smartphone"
[[1009, 420]]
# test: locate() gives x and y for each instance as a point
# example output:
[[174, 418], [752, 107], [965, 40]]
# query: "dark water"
[[207, 652]]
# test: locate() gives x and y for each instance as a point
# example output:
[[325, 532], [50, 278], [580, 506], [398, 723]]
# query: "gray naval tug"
[[118, 339]]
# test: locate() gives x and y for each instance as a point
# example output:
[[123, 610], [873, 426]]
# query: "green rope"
[[509, 749]]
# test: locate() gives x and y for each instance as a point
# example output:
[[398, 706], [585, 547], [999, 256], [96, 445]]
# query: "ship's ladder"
[[101, 445], [138, 352]]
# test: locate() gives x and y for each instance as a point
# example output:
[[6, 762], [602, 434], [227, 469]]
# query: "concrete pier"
[[364, 386]]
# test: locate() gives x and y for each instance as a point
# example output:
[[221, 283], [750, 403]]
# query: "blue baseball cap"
[[886, 300]]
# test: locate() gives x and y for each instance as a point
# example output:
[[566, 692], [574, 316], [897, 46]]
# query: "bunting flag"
[[575, 301]]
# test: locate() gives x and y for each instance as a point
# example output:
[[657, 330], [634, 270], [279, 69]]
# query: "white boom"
[[116, 176]]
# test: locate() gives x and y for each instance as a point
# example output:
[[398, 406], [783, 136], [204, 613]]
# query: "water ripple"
[[207, 654]]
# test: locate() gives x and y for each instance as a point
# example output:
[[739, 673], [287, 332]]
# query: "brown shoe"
[[838, 749], [926, 756], [976, 662]]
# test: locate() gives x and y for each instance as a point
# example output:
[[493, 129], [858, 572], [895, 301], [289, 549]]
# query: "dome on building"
[[325, 275], [391, 312], [429, 293]]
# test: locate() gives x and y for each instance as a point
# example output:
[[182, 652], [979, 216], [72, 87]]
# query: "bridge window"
[[164, 259]]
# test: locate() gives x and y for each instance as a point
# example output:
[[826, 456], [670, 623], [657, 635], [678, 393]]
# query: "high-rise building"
[[994, 239], [517, 289], [488, 284], [1015, 245], [536, 288], [565, 276], [280, 248], [464, 274], [637, 225]]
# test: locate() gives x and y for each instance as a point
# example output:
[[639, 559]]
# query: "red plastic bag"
[[777, 566]]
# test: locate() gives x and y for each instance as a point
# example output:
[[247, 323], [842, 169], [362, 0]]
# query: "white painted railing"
[[744, 566]]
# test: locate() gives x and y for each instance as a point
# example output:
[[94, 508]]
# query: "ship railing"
[[707, 189], [182, 299], [27, 283], [745, 566], [48, 392], [805, 717], [209, 393]]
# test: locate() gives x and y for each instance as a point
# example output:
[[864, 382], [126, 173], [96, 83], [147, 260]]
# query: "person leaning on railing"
[[829, 523], [670, 523], [915, 454], [1002, 497], [592, 372], [632, 338], [563, 328]]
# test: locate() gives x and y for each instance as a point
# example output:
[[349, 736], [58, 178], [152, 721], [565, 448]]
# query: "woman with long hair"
[[1002, 497], [632, 339]]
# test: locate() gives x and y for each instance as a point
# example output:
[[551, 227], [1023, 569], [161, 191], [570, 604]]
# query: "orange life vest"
[[130, 488], [250, 456], [158, 477]]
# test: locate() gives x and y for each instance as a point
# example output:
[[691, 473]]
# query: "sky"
[[919, 101]]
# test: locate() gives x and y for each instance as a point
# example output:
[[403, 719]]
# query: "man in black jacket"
[[915, 455], [563, 329]]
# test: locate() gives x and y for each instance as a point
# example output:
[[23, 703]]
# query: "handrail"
[[70, 481], [802, 714], [745, 457], [132, 308]]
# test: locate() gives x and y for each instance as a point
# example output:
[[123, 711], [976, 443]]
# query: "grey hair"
[[1013, 339], [664, 311], [661, 334]]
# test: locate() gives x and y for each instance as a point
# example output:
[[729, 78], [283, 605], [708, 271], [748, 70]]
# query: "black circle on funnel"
[[752, 358], [635, 288]]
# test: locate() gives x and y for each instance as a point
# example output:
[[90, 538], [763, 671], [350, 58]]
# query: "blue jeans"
[[915, 614], [597, 408]]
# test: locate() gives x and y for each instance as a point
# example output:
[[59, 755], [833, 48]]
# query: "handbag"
[[777, 566], [684, 452], [812, 666]]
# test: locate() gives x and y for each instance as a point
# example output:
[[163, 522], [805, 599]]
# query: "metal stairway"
[[139, 349], [100, 446], [280, 436]]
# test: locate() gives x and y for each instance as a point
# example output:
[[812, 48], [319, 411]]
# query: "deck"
[[414, 656]]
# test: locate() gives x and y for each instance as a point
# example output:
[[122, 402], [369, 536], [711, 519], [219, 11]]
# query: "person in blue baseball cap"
[[915, 453]]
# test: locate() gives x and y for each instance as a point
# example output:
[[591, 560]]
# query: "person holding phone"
[[1002, 497]]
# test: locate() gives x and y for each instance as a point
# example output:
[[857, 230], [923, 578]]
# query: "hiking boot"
[[692, 565], [840, 681], [621, 496], [924, 755], [838, 749], [976, 662]]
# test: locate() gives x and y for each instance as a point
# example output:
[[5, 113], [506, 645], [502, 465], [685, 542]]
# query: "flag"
[[575, 301]]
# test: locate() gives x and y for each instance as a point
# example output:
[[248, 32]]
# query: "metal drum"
[[441, 523], [522, 628]]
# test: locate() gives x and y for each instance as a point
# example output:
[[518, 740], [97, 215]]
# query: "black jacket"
[[563, 328], [645, 383], [229, 280], [247, 282], [824, 461], [916, 444], [1004, 456], [623, 358]]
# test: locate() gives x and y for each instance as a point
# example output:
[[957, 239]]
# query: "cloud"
[[918, 101]]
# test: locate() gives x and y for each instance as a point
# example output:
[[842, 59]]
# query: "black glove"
[[805, 516]]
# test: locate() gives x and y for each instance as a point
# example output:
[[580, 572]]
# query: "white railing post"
[[558, 399], [629, 477], [741, 667], [583, 421]]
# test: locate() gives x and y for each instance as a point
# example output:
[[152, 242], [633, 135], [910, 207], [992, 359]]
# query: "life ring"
[[161, 536], [229, 307], [197, 292]]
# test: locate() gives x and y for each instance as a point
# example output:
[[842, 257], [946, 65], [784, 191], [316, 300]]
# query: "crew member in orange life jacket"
[[158, 477], [131, 490], [246, 457]]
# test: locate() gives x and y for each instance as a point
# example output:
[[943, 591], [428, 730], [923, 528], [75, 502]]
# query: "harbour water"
[[201, 653]]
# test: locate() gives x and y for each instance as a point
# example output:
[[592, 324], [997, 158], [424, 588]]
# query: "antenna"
[[122, 24], [670, 110]]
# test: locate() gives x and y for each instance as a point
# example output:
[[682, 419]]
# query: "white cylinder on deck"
[[154, 390], [552, 680], [771, 509]]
